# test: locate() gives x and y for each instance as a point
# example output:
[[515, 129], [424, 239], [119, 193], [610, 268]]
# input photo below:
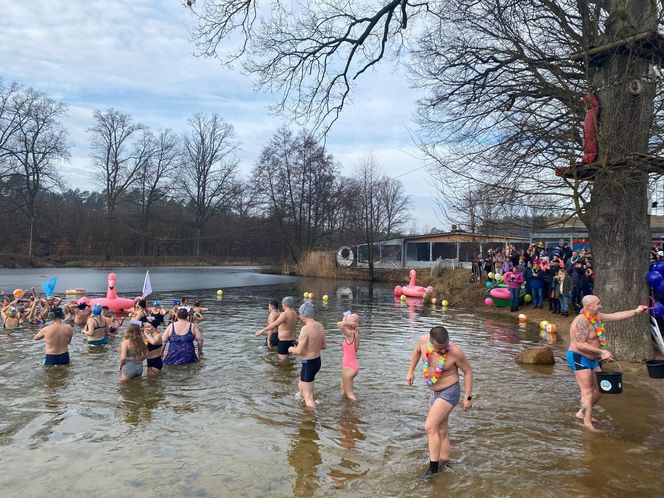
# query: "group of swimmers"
[[143, 340], [281, 333], [441, 359]]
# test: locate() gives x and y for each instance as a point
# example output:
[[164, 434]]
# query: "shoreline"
[[15, 261]]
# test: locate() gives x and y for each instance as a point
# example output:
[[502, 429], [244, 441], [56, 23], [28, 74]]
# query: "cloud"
[[137, 55]]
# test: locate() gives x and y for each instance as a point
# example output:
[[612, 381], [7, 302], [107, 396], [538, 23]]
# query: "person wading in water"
[[587, 347], [441, 362]]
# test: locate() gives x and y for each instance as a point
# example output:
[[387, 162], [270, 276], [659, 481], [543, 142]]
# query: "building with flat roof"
[[575, 233], [456, 248]]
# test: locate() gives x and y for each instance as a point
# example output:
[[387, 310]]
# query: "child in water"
[[349, 325]]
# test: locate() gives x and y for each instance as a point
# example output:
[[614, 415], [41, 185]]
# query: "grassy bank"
[[56, 261]]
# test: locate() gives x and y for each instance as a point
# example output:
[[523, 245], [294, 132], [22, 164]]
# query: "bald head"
[[589, 300]]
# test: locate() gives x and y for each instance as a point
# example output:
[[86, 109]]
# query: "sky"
[[137, 56]]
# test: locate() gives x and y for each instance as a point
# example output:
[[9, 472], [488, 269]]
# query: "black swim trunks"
[[274, 341], [157, 363], [283, 346], [309, 369], [56, 359]]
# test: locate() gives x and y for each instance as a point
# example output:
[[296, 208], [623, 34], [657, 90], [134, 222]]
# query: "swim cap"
[[288, 301], [96, 310], [58, 313], [307, 309], [156, 302]]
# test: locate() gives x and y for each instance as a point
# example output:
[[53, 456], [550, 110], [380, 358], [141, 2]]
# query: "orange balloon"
[[18, 293]]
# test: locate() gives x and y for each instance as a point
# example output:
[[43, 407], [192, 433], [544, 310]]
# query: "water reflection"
[[304, 456], [349, 426], [139, 398]]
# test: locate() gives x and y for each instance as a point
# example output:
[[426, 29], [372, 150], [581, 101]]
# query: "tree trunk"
[[617, 215], [32, 224], [370, 249], [198, 241], [620, 235]]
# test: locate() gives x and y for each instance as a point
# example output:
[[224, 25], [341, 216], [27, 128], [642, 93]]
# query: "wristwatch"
[[469, 397]]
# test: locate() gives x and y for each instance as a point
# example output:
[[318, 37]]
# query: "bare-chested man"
[[57, 336], [285, 325], [81, 314], [309, 344], [587, 348], [272, 334], [441, 361]]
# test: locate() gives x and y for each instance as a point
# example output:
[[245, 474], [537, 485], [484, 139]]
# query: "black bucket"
[[655, 368], [610, 382]]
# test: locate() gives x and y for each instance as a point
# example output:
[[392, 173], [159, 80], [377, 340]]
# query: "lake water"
[[230, 425]]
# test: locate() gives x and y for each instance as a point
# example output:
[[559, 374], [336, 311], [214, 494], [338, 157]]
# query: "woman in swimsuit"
[[152, 339], [140, 311], [132, 352], [96, 329], [349, 325], [10, 316], [180, 336]]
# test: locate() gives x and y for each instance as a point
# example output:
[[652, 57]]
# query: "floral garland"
[[598, 325], [432, 379]]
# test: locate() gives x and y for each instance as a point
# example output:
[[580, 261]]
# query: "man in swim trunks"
[[441, 361], [285, 324], [309, 344], [272, 335], [586, 350], [57, 336]]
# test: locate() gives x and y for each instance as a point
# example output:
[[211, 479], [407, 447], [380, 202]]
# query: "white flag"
[[147, 287]]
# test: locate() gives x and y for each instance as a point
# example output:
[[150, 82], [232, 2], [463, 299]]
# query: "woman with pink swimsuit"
[[349, 325]]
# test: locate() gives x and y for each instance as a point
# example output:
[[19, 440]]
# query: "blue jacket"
[[536, 280]]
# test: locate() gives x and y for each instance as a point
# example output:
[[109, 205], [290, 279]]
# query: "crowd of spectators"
[[557, 275]]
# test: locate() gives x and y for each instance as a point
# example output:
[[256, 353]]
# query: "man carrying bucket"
[[588, 347]]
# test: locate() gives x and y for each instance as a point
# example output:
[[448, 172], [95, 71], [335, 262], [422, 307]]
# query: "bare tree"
[[12, 103], [120, 148], [381, 202], [309, 52], [296, 179], [505, 100], [209, 167], [38, 143], [155, 176], [394, 205]]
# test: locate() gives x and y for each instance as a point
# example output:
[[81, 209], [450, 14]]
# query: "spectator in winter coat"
[[536, 279], [563, 288], [577, 276], [588, 282], [514, 279]]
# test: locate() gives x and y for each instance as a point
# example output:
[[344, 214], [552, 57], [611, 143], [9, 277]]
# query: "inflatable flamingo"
[[111, 300], [412, 290]]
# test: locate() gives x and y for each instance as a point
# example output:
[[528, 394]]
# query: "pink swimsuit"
[[349, 358]]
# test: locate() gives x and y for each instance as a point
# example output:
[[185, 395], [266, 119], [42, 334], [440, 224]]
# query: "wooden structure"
[[643, 162], [647, 45]]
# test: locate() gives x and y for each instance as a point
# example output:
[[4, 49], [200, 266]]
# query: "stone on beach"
[[537, 355]]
